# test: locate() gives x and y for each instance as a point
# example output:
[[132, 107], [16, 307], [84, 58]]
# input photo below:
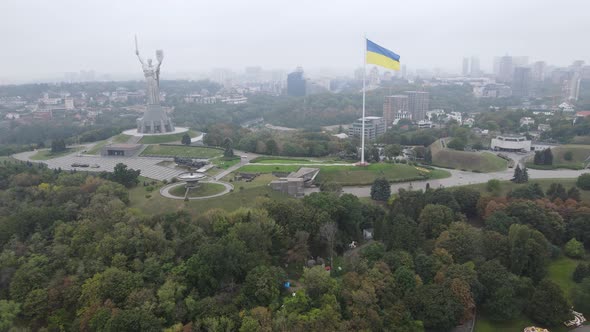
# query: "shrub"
[[584, 181], [574, 248], [568, 156], [493, 186], [148, 196], [173, 180], [149, 189]]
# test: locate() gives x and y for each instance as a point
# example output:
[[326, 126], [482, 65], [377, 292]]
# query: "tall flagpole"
[[363, 120]]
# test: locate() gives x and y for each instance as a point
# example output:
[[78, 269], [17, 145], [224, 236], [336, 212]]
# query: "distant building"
[[120, 150], [418, 102], [543, 127], [374, 127], [505, 69], [510, 143], [12, 116], [422, 124], [290, 186], [465, 70], [457, 116], [392, 105], [521, 82], [527, 121], [474, 71], [571, 87], [538, 72], [69, 103], [296, 83]]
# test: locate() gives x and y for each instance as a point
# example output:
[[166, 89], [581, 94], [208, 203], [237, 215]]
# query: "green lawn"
[[579, 154], [253, 168], [225, 163], [156, 139], [483, 324], [472, 161], [246, 197], [47, 154], [181, 151], [355, 175], [276, 160], [560, 272], [204, 189]]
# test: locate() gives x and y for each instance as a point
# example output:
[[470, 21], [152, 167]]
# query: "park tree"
[[574, 249], [228, 151], [428, 156], [461, 240], [328, 232], [58, 145], [317, 282], [580, 229], [401, 232], [500, 222], [574, 193], [392, 150], [444, 197], [436, 306], [124, 176], [380, 190], [557, 190], [582, 271], [457, 143], [548, 305], [374, 154], [529, 252], [186, 139], [271, 147], [333, 187], [568, 155], [467, 199], [435, 219], [9, 311], [583, 181], [262, 286], [521, 175], [531, 192], [493, 186]]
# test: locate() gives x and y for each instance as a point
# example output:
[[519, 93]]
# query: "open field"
[[579, 154], [246, 196], [354, 175], [47, 154], [204, 189], [156, 139], [560, 272], [225, 163], [253, 168], [484, 162], [181, 151], [277, 160]]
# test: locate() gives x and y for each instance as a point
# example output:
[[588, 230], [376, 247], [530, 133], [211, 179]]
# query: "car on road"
[[95, 166], [80, 165]]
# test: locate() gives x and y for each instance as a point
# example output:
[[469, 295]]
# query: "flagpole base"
[[365, 164]]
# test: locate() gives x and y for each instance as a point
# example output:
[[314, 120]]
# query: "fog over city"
[[44, 39]]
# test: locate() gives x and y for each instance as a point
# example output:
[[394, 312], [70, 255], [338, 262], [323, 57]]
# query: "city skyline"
[[43, 40]]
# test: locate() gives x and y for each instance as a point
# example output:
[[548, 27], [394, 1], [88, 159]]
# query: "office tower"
[[571, 87], [418, 104], [296, 83], [373, 79], [496, 66], [475, 71], [465, 71], [393, 105], [521, 82], [538, 72], [520, 61], [506, 69]]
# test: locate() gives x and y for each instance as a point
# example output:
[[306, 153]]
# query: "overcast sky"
[[44, 38]]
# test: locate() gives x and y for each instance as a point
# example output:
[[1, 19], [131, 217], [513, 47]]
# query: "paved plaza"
[[149, 166]]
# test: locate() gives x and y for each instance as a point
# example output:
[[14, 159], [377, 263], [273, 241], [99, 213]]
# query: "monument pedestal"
[[154, 121]]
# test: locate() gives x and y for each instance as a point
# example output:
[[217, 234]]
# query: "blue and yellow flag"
[[381, 56]]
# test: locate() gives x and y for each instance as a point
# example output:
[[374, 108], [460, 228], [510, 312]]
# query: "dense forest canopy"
[[75, 256]]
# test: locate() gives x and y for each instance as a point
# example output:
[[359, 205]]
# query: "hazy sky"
[[45, 38]]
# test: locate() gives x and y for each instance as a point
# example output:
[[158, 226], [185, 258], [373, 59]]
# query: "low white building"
[[456, 116], [527, 121], [510, 143], [424, 124]]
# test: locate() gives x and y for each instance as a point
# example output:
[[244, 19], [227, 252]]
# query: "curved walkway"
[[165, 191]]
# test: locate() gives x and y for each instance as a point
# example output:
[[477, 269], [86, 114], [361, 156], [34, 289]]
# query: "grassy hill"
[[579, 154], [472, 161]]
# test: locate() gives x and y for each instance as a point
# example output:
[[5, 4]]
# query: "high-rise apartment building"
[[392, 105], [521, 82], [505, 69], [296, 83], [474, 71], [538, 71], [465, 71], [418, 102]]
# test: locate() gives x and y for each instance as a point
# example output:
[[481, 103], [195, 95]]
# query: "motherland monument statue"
[[154, 120]]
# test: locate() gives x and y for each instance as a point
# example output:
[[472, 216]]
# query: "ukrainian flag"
[[381, 56]]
